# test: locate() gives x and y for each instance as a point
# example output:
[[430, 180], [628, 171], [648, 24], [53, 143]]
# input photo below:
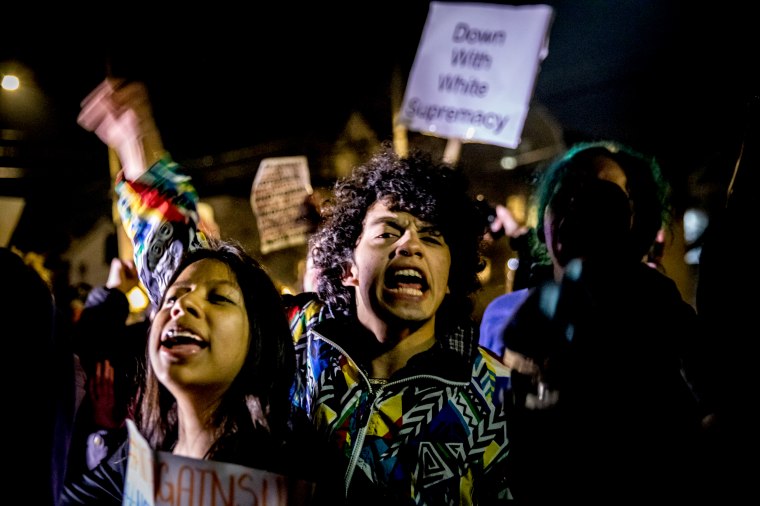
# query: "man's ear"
[[350, 275]]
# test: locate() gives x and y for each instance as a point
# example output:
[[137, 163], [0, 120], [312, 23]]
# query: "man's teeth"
[[408, 272], [409, 291], [408, 282]]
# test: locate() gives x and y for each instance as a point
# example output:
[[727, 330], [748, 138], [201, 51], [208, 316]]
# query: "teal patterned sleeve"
[[159, 212]]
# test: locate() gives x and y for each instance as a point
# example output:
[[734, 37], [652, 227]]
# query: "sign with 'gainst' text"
[[161, 479], [475, 70]]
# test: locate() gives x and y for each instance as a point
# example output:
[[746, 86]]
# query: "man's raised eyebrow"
[[392, 222], [431, 229], [389, 221]]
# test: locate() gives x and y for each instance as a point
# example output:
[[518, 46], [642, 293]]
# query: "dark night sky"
[[664, 76]]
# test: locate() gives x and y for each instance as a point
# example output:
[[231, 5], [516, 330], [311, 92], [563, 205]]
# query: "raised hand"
[[122, 275], [101, 390], [120, 114], [506, 222]]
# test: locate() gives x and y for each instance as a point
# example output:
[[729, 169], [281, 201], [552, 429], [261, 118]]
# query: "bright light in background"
[[138, 300], [508, 162], [695, 222], [10, 82], [22, 102]]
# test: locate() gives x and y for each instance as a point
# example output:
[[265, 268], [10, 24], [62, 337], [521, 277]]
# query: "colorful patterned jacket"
[[435, 434]]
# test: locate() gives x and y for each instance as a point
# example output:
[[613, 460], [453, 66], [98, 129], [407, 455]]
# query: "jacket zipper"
[[359, 442]]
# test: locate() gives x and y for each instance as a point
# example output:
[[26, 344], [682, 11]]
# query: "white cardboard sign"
[[162, 479], [475, 71], [278, 198]]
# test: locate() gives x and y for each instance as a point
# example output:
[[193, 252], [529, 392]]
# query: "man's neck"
[[400, 343]]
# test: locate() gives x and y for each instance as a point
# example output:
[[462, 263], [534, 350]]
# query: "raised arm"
[[156, 202]]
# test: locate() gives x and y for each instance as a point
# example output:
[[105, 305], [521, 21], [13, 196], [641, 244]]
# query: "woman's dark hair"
[[646, 188], [432, 192], [255, 407]]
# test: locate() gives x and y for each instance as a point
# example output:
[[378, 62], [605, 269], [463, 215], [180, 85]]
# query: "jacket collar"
[[451, 357]]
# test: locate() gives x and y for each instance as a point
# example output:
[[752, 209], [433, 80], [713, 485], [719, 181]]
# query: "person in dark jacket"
[[111, 352], [34, 327], [609, 413], [638, 175]]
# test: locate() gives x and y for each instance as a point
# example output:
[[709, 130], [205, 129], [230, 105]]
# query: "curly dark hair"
[[433, 192], [646, 187], [253, 412]]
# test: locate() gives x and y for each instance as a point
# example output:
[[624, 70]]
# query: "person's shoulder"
[[493, 362], [304, 310], [491, 377], [298, 300], [496, 316], [658, 283], [506, 303], [305, 304]]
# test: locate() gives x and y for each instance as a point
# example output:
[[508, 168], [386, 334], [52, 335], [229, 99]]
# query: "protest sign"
[[475, 71], [278, 197], [161, 479]]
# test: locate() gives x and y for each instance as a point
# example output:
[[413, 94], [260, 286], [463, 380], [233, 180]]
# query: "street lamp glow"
[[10, 82], [138, 300]]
